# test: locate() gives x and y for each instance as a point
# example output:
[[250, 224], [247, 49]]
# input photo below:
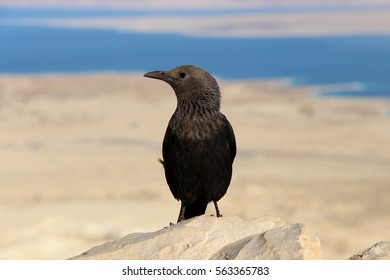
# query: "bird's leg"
[[181, 213], [217, 209]]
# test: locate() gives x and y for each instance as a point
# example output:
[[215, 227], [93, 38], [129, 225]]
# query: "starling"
[[199, 144]]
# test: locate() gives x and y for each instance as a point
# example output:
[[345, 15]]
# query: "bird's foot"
[[181, 214], [218, 216], [217, 210], [170, 224]]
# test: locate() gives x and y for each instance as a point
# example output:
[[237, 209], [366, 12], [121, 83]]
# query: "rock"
[[378, 251], [214, 238], [289, 242]]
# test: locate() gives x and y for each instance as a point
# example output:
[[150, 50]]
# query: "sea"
[[349, 66]]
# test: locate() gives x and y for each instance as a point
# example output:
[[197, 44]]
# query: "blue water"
[[362, 60]]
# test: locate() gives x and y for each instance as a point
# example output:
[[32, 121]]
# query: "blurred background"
[[305, 84]]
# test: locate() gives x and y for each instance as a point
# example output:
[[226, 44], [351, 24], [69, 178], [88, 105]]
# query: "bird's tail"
[[194, 210]]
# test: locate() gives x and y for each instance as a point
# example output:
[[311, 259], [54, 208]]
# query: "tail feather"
[[194, 210]]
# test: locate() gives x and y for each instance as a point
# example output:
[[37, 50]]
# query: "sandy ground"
[[78, 162]]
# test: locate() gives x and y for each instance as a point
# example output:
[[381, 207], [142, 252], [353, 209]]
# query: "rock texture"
[[215, 238], [378, 251]]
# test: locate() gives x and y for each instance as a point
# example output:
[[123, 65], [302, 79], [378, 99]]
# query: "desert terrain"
[[79, 162]]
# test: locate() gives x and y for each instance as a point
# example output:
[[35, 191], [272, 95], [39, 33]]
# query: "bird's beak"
[[160, 75]]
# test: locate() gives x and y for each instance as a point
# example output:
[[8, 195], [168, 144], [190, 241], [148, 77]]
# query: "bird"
[[199, 145]]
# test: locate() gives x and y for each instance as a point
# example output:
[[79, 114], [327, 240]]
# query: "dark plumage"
[[199, 144]]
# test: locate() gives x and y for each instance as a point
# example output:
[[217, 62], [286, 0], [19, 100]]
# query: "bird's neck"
[[198, 105], [188, 108], [193, 121]]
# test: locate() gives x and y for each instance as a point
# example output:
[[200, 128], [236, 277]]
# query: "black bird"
[[199, 144]]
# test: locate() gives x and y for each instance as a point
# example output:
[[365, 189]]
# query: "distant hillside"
[[178, 4]]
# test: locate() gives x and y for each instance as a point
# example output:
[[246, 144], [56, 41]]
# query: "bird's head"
[[190, 83]]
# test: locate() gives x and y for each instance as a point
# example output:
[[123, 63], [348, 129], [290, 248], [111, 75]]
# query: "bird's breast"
[[196, 129]]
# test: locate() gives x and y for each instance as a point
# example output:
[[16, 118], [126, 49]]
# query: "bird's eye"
[[182, 75]]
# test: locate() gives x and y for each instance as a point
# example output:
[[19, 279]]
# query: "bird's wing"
[[170, 143], [231, 139]]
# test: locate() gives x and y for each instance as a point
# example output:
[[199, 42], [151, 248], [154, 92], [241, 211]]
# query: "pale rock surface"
[[215, 238], [378, 251]]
